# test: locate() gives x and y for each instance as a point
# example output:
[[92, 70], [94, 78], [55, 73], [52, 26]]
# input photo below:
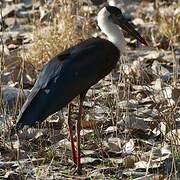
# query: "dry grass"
[[169, 24], [70, 25]]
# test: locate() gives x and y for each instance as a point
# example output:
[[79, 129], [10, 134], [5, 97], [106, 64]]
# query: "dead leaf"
[[129, 147], [11, 175], [175, 94], [129, 161], [133, 122], [91, 124], [141, 165], [90, 161], [111, 129], [113, 144]]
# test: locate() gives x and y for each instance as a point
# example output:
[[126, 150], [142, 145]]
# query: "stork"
[[74, 71]]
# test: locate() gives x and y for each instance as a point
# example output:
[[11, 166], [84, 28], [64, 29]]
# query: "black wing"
[[48, 73], [66, 76]]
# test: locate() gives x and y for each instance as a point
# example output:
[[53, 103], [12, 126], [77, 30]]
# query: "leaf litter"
[[130, 127]]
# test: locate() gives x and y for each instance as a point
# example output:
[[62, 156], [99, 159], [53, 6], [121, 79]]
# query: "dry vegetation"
[[69, 25], [131, 126]]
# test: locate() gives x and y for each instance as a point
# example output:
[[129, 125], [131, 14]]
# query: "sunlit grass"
[[69, 26], [169, 26]]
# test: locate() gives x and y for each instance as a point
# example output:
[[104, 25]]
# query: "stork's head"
[[113, 15]]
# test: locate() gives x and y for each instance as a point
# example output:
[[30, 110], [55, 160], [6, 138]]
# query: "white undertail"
[[112, 31]]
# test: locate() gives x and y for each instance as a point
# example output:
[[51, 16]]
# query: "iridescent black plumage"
[[66, 76]]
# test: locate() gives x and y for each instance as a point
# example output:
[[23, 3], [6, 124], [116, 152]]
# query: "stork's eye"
[[120, 16]]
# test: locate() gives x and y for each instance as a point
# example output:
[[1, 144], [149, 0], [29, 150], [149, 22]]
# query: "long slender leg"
[[78, 129], [74, 156]]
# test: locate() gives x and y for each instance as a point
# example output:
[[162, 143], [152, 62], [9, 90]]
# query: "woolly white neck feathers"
[[112, 31]]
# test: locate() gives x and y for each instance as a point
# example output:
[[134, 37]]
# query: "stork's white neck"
[[112, 31]]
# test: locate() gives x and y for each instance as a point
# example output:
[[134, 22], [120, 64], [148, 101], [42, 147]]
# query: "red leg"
[[78, 129], [74, 156]]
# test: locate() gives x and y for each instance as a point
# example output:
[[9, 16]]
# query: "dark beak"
[[124, 24]]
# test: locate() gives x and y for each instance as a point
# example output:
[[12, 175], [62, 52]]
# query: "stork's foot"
[[78, 171], [75, 169]]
